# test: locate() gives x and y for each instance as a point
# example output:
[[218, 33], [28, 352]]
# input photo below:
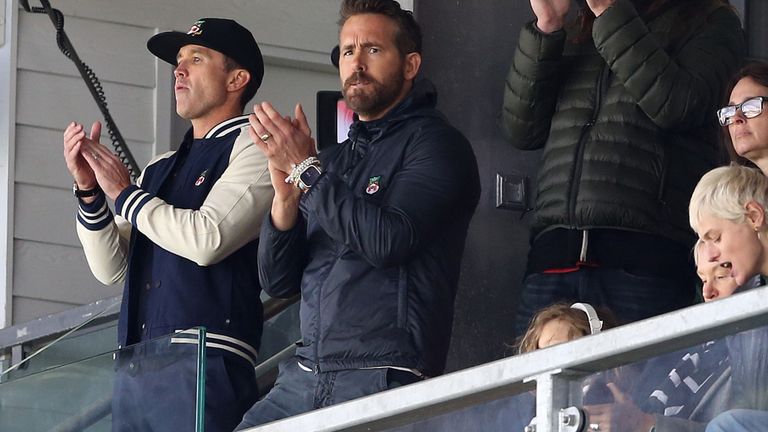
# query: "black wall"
[[467, 51], [468, 46]]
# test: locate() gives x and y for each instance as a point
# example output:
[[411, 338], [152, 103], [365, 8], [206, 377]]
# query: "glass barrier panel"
[[720, 385], [148, 386], [86, 342], [508, 414], [279, 332]]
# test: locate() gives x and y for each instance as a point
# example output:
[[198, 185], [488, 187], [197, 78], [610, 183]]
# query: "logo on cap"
[[196, 29]]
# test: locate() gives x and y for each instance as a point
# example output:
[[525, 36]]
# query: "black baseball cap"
[[223, 35]]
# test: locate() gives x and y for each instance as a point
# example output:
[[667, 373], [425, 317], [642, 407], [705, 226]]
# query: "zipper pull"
[[316, 368]]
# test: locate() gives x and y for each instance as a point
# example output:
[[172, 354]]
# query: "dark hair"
[[250, 89], [582, 27], [408, 38], [758, 72]]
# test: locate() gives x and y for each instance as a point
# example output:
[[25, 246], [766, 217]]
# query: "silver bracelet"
[[296, 170]]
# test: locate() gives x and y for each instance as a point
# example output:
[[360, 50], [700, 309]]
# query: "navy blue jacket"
[[185, 240], [376, 253]]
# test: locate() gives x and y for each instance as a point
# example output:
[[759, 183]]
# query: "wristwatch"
[[309, 176], [85, 193]]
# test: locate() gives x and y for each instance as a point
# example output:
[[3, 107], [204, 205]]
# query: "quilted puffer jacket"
[[627, 120]]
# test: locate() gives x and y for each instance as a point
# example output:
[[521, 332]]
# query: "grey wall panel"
[[52, 101], [45, 215], [40, 156], [287, 86], [27, 309], [117, 53], [56, 273], [295, 24]]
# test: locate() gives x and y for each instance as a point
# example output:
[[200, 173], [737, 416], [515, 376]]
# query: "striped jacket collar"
[[227, 126]]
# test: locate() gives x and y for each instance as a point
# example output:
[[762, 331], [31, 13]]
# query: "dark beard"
[[376, 101]]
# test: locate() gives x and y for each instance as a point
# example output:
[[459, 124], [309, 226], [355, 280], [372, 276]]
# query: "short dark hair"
[[408, 38], [758, 72], [250, 89]]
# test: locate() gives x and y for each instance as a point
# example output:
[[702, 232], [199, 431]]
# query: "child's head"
[[717, 281], [557, 324]]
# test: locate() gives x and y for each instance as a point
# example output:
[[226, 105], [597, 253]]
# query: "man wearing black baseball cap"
[[222, 35], [184, 239]]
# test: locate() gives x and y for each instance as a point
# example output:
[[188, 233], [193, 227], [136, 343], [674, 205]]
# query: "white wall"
[[46, 267], [7, 133]]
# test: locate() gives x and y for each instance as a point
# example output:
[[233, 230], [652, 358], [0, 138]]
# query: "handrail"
[[506, 377], [57, 323], [60, 322]]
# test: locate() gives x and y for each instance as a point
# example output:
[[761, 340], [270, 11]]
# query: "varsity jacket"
[[184, 241], [377, 250], [627, 120]]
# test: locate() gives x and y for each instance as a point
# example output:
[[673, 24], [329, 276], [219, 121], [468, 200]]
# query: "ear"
[[238, 79], [412, 65], [755, 214]]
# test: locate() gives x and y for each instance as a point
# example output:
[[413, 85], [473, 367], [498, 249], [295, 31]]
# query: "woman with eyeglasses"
[[746, 135]]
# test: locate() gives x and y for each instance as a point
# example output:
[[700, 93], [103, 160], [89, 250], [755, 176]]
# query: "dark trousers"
[[298, 391], [630, 297], [157, 393]]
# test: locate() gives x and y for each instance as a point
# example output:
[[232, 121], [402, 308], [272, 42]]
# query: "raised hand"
[[285, 142], [550, 14], [74, 140], [111, 174], [599, 6]]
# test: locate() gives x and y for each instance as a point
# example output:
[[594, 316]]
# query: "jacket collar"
[[421, 101]]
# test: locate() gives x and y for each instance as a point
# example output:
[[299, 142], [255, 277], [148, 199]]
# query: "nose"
[[358, 63], [711, 252], [180, 70], [708, 291], [738, 118]]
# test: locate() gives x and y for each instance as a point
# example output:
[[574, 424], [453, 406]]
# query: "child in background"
[[562, 322]]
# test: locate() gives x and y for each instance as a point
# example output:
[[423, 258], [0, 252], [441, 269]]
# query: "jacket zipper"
[[316, 367], [602, 87]]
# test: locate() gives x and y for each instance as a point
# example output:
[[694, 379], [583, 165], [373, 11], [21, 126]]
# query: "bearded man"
[[370, 231]]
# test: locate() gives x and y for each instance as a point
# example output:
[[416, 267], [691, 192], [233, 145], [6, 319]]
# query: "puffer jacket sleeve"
[[531, 87], [282, 258], [438, 182], [680, 89]]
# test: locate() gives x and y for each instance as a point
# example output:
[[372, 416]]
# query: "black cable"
[[91, 81]]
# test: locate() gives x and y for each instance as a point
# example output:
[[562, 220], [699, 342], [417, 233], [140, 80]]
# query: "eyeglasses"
[[751, 108]]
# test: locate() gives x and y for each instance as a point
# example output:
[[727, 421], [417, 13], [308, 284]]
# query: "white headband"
[[595, 325]]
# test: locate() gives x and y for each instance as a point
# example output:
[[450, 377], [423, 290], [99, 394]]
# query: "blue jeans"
[[739, 420], [158, 393], [297, 391], [630, 297]]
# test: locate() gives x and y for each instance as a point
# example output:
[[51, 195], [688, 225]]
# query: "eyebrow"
[[362, 45], [192, 51], [707, 235]]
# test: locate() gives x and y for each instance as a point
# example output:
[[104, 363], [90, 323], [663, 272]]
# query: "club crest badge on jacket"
[[201, 179], [373, 185]]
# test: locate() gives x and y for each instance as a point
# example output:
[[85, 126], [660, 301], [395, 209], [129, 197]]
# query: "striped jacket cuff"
[[94, 216], [130, 202]]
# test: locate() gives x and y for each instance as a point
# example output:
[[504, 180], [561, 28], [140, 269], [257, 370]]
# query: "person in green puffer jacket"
[[623, 104]]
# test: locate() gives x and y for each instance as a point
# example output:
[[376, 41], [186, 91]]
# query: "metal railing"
[[102, 311], [552, 370]]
